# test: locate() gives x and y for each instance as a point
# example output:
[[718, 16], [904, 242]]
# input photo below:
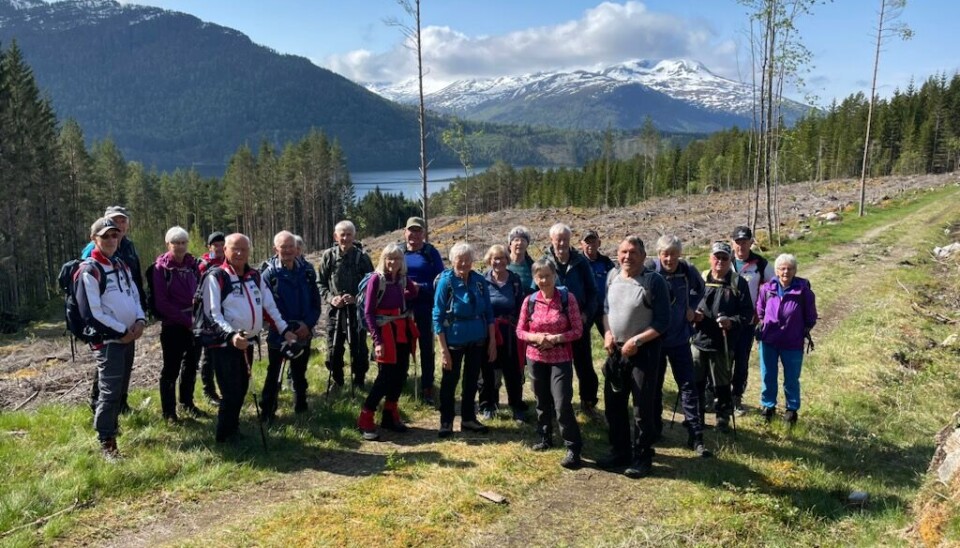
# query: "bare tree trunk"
[[873, 91]]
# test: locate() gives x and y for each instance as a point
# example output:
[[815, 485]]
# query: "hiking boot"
[[446, 430], [474, 426], [487, 414], [171, 419], [546, 442], [768, 413], [738, 409], [614, 460], [520, 416], [212, 398], [695, 442], [301, 404], [391, 420], [639, 468], [590, 410], [790, 417], [428, 396], [571, 460], [192, 410], [723, 423], [108, 448], [365, 422]]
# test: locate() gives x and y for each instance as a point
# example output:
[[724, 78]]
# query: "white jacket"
[[118, 308], [246, 306]]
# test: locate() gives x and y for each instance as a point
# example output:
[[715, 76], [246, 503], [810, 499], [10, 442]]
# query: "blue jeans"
[[792, 364]]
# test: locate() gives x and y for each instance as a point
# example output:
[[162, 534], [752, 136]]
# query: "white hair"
[[460, 249], [283, 235], [668, 242], [785, 258], [345, 226], [176, 233], [559, 229], [298, 241]]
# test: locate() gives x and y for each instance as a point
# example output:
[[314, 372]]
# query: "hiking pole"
[[675, 404], [726, 358], [348, 325], [256, 404], [331, 349]]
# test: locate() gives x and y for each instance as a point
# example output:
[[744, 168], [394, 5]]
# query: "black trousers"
[[639, 380], [206, 374], [230, 367], [390, 379], [583, 365], [470, 357], [181, 354], [271, 384], [681, 363], [343, 331], [423, 317], [553, 388], [507, 363]]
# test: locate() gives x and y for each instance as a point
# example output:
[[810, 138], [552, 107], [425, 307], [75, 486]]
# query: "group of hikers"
[[520, 318]]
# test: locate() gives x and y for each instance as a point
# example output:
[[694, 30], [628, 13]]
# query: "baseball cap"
[[589, 234], [416, 221], [721, 247], [742, 233], [101, 226], [215, 237], [114, 211]]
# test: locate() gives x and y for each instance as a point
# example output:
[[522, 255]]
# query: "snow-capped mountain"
[[678, 94]]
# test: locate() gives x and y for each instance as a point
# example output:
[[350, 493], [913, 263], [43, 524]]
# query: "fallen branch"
[[40, 521], [933, 315], [71, 390], [26, 401]]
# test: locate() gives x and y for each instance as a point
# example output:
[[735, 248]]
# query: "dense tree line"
[[54, 187], [916, 130]]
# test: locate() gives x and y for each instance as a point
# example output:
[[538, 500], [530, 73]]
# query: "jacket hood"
[[166, 260]]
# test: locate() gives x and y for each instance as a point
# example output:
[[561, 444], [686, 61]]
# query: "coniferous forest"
[[54, 185]]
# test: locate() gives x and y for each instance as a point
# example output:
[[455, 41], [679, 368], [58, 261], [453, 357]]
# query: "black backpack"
[[151, 292], [564, 302], [204, 329], [68, 279]]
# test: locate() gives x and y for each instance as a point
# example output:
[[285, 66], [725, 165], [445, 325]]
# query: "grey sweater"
[[635, 304]]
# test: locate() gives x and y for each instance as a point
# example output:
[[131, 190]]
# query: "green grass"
[[866, 423]]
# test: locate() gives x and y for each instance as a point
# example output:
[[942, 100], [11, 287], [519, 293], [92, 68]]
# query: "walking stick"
[[726, 358], [331, 348], [675, 404], [256, 404]]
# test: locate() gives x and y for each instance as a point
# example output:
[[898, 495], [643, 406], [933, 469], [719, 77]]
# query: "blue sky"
[[483, 38]]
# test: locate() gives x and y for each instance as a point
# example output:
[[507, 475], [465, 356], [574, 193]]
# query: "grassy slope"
[[866, 424]]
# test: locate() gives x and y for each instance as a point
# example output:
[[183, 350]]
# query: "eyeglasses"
[[109, 236]]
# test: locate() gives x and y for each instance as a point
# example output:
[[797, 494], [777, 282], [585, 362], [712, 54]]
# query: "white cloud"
[[606, 34]]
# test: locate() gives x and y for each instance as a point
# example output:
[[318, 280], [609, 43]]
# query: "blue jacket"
[[295, 292], [686, 291], [423, 267], [600, 268], [462, 311], [577, 277]]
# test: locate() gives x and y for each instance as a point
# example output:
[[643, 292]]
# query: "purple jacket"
[[174, 285], [785, 320]]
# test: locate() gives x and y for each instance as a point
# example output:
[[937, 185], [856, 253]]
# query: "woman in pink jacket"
[[549, 322]]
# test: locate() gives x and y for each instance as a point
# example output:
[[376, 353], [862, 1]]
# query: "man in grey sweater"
[[636, 313]]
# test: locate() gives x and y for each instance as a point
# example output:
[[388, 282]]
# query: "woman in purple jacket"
[[787, 309], [389, 319], [174, 280]]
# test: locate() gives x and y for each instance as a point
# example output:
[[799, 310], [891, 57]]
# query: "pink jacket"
[[548, 317]]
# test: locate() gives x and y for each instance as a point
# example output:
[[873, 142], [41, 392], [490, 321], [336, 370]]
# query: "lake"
[[406, 181]]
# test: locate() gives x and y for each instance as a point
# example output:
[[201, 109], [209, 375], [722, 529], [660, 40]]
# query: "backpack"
[[734, 282], [68, 278], [204, 329], [612, 275], [480, 293], [381, 289], [564, 302], [151, 292]]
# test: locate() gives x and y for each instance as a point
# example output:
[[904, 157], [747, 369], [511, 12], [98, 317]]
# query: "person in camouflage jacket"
[[338, 275]]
